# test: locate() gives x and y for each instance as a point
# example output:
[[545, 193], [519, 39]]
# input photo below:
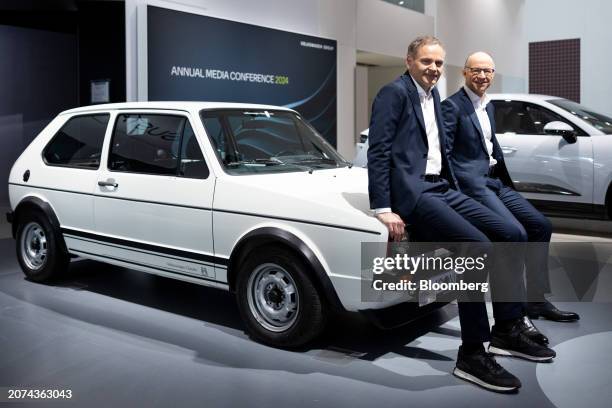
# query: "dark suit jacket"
[[397, 152], [466, 145]]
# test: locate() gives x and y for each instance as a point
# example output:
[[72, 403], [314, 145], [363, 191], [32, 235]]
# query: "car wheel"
[[38, 248], [277, 299]]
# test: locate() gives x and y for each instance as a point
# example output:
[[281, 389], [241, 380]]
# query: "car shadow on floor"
[[349, 340], [346, 331]]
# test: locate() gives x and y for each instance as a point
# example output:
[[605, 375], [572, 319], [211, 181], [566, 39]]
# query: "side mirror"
[[558, 128]]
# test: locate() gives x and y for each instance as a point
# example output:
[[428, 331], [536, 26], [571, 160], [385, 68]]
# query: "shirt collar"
[[420, 90], [477, 100]]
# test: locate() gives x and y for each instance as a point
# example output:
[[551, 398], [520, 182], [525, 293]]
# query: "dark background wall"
[[50, 51]]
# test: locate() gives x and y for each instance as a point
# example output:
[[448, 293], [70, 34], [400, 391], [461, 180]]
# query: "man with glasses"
[[410, 180], [478, 163]]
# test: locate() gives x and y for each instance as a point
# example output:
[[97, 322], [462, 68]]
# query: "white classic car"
[[246, 198], [558, 153]]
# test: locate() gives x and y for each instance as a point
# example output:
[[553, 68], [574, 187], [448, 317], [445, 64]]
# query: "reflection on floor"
[[117, 337], [5, 227]]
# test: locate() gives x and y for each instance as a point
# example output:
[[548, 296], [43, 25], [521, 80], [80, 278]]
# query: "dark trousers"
[[536, 227], [445, 215]]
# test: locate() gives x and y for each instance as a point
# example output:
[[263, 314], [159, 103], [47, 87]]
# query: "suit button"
[[424, 155]]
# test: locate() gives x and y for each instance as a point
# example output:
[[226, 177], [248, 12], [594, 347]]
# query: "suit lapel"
[[491, 114], [497, 152], [467, 102], [438, 115], [416, 103]]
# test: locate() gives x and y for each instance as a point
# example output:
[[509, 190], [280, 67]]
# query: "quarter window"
[[192, 161], [78, 143], [156, 144]]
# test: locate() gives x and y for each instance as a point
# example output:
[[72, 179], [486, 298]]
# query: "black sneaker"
[[517, 344], [481, 369]]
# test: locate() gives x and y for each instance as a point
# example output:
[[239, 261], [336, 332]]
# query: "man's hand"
[[394, 224]]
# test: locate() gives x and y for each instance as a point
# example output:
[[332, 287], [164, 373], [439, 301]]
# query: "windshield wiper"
[[265, 162], [316, 160]]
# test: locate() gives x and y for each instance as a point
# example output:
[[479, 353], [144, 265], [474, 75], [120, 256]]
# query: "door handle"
[[508, 149], [108, 184]]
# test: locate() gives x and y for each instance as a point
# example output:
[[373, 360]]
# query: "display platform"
[[119, 337]]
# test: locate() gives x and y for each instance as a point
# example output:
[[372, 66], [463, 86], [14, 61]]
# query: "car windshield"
[[266, 141], [597, 120]]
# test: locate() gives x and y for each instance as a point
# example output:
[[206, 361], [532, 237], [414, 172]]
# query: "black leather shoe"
[[481, 369], [546, 310], [532, 332], [515, 343]]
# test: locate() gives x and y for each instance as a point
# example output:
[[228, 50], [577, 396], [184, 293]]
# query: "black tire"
[[41, 267], [279, 265]]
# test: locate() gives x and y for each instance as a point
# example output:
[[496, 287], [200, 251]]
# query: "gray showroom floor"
[[117, 337]]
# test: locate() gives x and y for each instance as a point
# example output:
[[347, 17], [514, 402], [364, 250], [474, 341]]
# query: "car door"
[[543, 167], [154, 196]]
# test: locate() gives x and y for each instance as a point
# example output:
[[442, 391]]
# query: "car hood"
[[333, 196]]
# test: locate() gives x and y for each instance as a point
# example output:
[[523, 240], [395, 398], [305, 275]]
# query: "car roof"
[[173, 105], [523, 97]]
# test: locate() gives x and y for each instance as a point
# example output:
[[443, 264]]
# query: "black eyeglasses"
[[477, 71]]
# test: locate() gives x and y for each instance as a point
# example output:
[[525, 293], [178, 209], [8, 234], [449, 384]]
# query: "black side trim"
[[321, 224], [267, 235], [114, 198], [148, 247], [570, 210], [539, 188], [298, 220], [78, 251], [130, 248], [153, 202], [49, 188]]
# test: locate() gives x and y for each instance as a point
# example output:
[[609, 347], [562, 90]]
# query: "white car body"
[[326, 209], [559, 177], [203, 230]]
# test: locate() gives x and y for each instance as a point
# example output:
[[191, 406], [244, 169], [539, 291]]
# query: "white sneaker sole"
[[512, 353], [469, 377]]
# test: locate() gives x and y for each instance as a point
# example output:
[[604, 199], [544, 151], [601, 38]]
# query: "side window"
[[540, 116], [523, 118], [78, 143], [156, 144], [511, 117], [146, 144], [193, 164]]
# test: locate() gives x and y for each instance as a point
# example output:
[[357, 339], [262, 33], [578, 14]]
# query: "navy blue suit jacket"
[[397, 152], [466, 145]]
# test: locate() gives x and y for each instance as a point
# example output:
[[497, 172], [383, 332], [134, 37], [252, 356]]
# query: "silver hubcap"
[[34, 246], [273, 297]]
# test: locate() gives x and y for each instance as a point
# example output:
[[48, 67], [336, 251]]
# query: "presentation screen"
[[194, 57]]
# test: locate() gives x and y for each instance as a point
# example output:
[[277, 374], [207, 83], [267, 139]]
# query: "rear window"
[[78, 143]]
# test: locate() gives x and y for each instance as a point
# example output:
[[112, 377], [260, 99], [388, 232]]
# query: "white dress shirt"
[[480, 105], [434, 156]]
